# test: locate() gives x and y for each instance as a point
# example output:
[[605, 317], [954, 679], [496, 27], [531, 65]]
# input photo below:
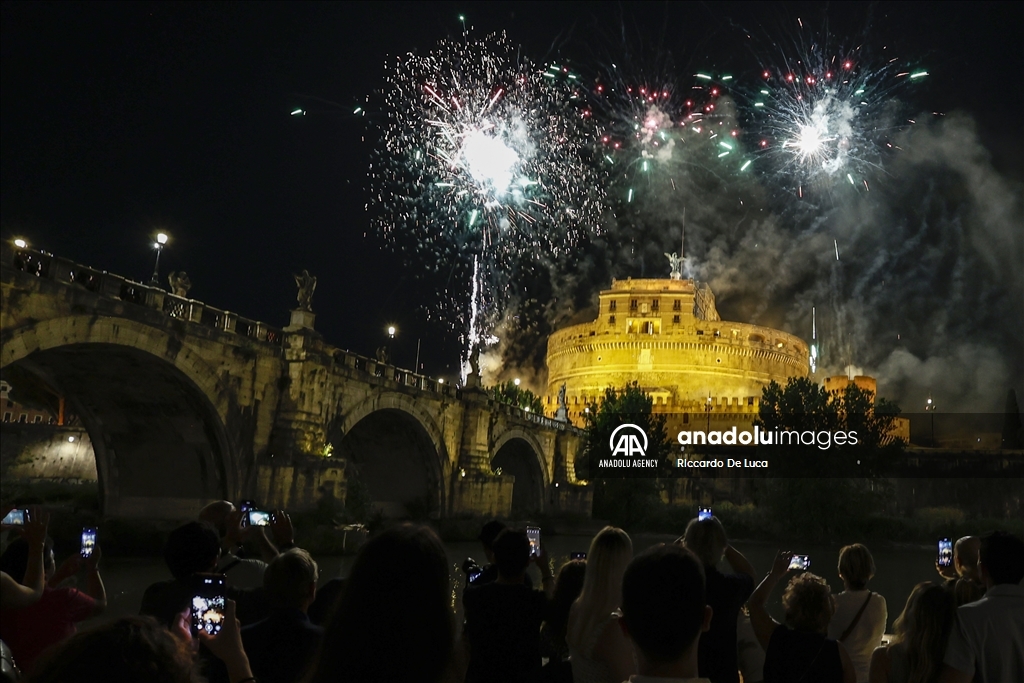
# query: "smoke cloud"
[[927, 294]]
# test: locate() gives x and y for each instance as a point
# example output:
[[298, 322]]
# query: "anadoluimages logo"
[[629, 440]]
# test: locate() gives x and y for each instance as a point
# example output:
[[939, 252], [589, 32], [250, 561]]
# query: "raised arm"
[[760, 620], [738, 562], [94, 587]]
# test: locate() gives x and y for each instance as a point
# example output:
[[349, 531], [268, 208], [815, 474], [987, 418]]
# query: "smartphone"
[[578, 555], [800, 562], [533, 533], [88, 541], [704, 513], [16, 517], [945, 552], [208, 603], [244, 506], [474, 575], [258, 517]]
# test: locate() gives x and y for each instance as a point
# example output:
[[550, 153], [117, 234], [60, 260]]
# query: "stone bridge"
[[185, 403]]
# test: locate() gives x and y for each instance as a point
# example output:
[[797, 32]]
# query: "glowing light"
[[745, 165], [298, 112], [516, 381], [919, 74], [20, 243], [161, 239]]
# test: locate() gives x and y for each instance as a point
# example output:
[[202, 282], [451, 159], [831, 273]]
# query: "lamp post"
[[161, 241], [930, 408], [391, 338]]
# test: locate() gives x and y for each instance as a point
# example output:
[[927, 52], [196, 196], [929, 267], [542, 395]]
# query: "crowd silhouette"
[[692, 611]]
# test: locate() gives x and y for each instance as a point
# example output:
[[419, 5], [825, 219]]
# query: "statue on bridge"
[[562, 414], [180, 284], [307, 285]]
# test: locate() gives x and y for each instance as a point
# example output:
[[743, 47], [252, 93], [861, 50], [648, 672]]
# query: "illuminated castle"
[[666, 335]]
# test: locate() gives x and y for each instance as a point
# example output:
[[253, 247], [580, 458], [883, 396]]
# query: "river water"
[[898, 569]]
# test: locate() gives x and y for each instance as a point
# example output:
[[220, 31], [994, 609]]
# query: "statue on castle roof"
[[307, 285], [675, 262]]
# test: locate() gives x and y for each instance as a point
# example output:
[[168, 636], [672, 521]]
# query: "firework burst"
[[829, 116], [484, 169]]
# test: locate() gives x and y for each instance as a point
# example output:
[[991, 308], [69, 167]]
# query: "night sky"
[[119, 120]]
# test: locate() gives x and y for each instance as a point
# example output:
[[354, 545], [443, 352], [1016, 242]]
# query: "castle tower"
[[666, 335]]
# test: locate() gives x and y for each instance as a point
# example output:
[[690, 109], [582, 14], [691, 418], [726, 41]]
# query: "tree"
[[512, 394], [627, 502], [820, 493]]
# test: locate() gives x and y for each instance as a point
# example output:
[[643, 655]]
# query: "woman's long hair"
[[610, 553], [393, 621], [922, 630], [567, 589]]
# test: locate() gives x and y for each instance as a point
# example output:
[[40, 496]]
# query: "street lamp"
[[930, 408], [20, 243], [516, 381], [161, 241], [387, 349]]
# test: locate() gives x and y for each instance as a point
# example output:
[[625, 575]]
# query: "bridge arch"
[[399, 452], [518, 452], [150, 402]]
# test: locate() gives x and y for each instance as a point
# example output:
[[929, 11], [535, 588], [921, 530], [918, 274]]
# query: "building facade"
[[666, 335]]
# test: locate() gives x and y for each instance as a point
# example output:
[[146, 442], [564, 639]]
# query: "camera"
[[259, 517], [88, 541], [16, 517], [472, 570], [945, 552], [533, 534], [208, 603], [800, 562]]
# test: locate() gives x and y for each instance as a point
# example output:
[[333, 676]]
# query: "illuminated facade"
[[666, 335]]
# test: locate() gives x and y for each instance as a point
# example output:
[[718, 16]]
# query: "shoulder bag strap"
[[856, 619]]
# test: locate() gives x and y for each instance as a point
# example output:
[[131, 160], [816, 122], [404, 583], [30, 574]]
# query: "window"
[[700, 331], [38, 419], [648, 327], [611, 306], [7, 417], [750, 400], [611, 320], [23, 419], [632, 304], [654, 304], [718, 333], [677, 305], [675, 320]]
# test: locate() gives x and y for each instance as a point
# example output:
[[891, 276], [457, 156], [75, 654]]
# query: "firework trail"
[[484, 169]]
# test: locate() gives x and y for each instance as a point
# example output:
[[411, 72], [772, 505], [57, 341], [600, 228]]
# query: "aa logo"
[[629, 440]]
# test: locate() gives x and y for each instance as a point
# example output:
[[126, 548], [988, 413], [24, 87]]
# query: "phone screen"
[[945, 552], [800, 562], [88, 541], [16, 517], [578, 556], [533, 533], [704, 513], [474, 575], [208, 604], [259, 518]]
